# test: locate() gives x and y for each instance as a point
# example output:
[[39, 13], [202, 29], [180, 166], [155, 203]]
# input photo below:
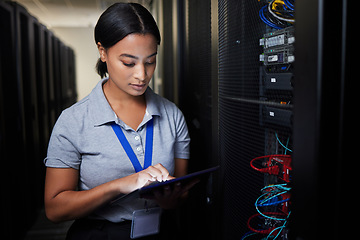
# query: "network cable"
[[284, 14], [278, 14], [286, 148]]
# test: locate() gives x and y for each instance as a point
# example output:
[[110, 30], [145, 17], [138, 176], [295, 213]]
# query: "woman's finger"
[[164, 172], [155, 173]]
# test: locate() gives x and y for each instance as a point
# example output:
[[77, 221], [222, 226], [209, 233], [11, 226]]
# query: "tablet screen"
[[146, 191], [184, 179]]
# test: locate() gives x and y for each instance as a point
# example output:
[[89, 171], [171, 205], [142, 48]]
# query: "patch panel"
[[278, 38], [278, 55]]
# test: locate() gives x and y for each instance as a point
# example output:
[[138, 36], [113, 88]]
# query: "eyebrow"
[[134, 57]]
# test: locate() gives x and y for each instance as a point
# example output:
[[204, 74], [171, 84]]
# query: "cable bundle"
[[275, 200], [278, 14], [274, 203], [276, 196]]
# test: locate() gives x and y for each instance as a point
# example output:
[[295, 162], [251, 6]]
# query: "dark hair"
[[120, 20]]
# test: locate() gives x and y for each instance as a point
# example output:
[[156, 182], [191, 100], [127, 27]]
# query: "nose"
[[140, 72]]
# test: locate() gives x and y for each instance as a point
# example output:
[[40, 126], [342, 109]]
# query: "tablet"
[[148, 190]]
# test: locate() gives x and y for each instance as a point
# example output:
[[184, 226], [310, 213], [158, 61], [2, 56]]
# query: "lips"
[[138, 87]]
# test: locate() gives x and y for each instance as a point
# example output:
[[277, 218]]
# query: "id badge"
[[145, 222]]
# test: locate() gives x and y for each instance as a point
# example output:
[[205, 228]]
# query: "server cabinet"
[[64, 74], [11, 129], [71, 91], [28, 110], [26, 74], [41, 85], [42, 104], [67, 76], [195, 100], [256, 61], [239, 111], [52, 112], [284, 107], [281, 107], [323, 130], [56, 62], [29, 165]]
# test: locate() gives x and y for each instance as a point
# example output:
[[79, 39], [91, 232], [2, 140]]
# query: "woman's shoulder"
[[77, 108], [82, 106], [72, 118]]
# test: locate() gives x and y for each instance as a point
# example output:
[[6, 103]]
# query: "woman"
[[87, 165]]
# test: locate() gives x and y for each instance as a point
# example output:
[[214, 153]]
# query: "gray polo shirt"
[[83, 139]]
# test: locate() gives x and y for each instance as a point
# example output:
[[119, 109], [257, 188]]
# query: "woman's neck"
[[130, 109]]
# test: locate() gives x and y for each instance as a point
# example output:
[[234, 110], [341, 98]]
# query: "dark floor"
[[44, 229]]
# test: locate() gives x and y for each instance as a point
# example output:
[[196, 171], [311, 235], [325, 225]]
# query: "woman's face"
[[131, 62]]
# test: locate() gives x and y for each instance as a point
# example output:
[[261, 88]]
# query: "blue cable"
[[286, 148], [289, 5], [287, 144], [267, 199], [282, 186], [282, 227], [273, 203], [248, 234], [268, 217], [278, 190], [265, 20]]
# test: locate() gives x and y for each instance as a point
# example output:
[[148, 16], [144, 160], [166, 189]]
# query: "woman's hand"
[[143, 178], [155, 173]]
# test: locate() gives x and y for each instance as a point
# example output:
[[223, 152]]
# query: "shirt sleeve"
[[182, 143], [62, 151]]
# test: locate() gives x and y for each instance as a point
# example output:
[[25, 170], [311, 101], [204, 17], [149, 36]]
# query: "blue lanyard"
[[130, 152]]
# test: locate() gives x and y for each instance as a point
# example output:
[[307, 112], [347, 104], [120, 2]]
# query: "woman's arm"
[[63, 202], [181, 166]]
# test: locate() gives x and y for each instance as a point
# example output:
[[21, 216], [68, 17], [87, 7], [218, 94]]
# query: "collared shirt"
[[83, 139]]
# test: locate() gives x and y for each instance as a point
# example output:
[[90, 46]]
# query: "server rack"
[[71, 89], [68, 84], [325, 82], [11, 129], [28, 110], [27, 81], [284, 118], [235, 113], [52, 112], [255, 119], [57, 74], [261, 108], [42, 102], [196, 102]]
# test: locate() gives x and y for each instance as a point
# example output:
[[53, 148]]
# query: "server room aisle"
[[43, 229]]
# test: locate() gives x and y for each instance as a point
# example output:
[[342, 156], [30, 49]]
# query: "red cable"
[[264, 231], [284, 160]]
